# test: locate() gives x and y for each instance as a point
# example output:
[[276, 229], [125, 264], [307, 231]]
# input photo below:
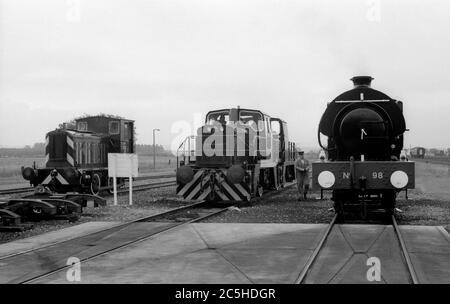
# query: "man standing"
[[301, 172]]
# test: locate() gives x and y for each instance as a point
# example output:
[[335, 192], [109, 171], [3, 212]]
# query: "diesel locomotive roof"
[[74, 133], [240, 109], [106, 117]]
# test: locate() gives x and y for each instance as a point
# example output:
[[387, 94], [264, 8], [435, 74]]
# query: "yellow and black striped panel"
[[70, 151], [231, 192], [198, 188], [209, 184]]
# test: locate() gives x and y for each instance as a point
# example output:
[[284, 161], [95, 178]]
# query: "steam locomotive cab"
[[365, 166], [236, 155]]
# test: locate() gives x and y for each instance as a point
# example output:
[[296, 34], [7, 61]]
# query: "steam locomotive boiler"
[[365, 166], [238, 154]]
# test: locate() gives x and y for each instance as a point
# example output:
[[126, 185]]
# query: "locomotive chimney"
[[361, 81]]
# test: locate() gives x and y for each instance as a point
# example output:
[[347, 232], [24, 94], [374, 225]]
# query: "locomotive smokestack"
[[362, 81]]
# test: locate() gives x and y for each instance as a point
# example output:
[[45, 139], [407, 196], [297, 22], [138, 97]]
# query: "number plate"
[[376, 173]]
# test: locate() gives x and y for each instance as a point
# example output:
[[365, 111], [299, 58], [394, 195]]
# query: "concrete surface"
[[53, 237], [270, 253], [23, 267], [429, 249], [208, 253]]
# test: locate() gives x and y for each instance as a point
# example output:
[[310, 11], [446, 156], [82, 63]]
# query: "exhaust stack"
[[362, 81]]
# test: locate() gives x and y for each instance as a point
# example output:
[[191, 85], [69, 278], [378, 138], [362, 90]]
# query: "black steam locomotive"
[[77, 156], [365, 164]]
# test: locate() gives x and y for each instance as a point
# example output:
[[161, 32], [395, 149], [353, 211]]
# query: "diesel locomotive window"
[[276, 127], [114, 127], [221, 117], [253, 119], [82, 126]]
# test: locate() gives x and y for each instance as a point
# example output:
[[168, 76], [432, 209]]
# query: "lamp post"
[[154, 149]]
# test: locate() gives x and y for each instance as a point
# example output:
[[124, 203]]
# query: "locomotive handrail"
[[182, 147], [320, 143]]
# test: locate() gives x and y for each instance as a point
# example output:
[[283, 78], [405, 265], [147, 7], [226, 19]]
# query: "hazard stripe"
[[69, 142], [193, 181], [242, 190], [197, 189], [222, 195], [47, 155], [193, 192], [70, 159], [47, 180], [230, 190], [61, 179], [205, 194]]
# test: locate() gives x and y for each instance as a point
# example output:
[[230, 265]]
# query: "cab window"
[[82, 126], [275, 125], [222, 117], [253, 119], [114, 127]]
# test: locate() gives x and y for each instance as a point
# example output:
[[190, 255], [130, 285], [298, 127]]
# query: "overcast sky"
[[162, 62]]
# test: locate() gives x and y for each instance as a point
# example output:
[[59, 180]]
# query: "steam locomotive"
[[238, 154], [365, 165], [76, 157]]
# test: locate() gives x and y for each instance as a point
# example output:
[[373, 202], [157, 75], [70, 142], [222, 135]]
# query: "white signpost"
[[123, 165]]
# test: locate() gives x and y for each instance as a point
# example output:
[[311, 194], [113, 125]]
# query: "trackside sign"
[[122, 164]]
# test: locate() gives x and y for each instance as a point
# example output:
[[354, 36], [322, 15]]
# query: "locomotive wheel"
[[95, 184]]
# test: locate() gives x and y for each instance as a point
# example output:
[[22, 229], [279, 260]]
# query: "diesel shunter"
[[76, 157], [238, 154]]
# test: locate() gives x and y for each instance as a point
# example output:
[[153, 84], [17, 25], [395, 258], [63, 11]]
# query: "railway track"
[[405, 253], [322, 243], [16, 190], [125, 189], [19, 190], [149, 186], [32, 265]]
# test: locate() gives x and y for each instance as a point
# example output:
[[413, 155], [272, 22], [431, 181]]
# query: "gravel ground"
[[424, 212], [284, 208]]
